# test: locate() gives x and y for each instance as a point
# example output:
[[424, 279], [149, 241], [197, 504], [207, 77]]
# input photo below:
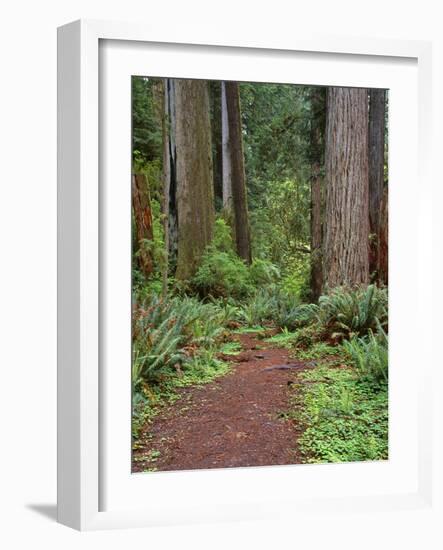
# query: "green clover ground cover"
[[344, 416]]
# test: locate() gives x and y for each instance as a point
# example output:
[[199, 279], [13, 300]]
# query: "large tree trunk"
[[377, 99], [141, 204], [195, 198], [346, 242], [238, 178], [318, 106], [170, 173]]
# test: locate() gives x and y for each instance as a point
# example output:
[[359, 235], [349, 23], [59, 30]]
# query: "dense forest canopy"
[[259, 207]]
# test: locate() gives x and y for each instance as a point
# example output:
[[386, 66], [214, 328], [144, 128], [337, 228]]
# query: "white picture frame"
[[82, 409]]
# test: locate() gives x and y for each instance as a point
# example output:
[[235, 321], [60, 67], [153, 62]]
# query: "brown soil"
[[234, 421]]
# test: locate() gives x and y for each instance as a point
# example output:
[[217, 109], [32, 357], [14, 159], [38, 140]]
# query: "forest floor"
[[236, 420]]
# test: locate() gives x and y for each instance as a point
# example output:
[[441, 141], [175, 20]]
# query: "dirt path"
[[231, 422]]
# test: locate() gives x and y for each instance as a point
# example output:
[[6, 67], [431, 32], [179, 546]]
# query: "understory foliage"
[[342, 404], [356, 312], [175, 343], [222, 274], [169, 334], [369, 355], [345, 418], [179, 339], [340, 315]]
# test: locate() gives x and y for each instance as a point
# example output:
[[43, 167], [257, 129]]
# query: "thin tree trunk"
[[238, 178], [170, 171], [377, 99], [141, 204], [383, 239], [226, 153], [195, 194], [166, 185], [316, 148], [346, 242]]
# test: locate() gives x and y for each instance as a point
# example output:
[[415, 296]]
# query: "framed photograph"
[[232, 264]]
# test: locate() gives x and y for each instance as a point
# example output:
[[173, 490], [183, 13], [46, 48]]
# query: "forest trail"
[[231, 422]]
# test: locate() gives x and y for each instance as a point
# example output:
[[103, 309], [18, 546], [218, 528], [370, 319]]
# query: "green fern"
[[346, 313], [370, 355]]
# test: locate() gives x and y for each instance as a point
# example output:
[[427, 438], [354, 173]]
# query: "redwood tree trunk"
[[346, 242], [383, 239], [226, 153], [141, 204], [170, 173], [238, 178], [377, 99], [195, 196], [316, 156], [166, 184], [216, 136]]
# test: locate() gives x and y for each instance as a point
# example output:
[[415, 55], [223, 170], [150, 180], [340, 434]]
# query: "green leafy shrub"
[[347, 312], [257, 310], [292, 315], [263, 272], [156, 351], [296, 282], [222, 274], [165, 333], [222, 240], [276, 306], [369, 355]]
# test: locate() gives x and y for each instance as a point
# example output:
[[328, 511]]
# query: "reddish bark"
[[141, 204], [346, 241], [376, 149], [238, 182]]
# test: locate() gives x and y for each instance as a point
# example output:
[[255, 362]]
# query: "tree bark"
[[141, 204], [216, 135], [346, 242], [377, 99], [318, 107], [238, 178], [170, 173], [382, 263], [166, 185], [195, 197], [226, 152]]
